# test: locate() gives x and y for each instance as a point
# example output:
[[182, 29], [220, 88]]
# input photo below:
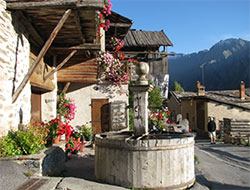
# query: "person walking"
[[212, 130]]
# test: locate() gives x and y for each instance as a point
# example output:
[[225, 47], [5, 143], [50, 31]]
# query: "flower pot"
[[57, 139]]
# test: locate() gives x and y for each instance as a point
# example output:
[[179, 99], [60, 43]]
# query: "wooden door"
[[36, 114], [100, 115], [200, 107]]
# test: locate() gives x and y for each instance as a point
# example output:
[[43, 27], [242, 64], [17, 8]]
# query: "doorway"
[[36, 108], [200, 107], [100, 115]]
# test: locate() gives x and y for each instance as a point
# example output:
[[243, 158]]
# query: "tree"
[[154, 97], [177, 87]]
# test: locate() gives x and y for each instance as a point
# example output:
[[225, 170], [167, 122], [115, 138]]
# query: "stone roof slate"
[[229, 97]]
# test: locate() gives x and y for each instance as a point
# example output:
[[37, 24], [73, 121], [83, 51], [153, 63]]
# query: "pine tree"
[[177, 87]]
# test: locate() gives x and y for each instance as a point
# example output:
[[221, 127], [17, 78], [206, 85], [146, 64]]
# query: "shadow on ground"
[[80, 166], [212, 185]]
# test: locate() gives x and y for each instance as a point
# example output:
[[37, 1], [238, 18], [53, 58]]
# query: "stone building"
[[48, 47], [198, 106], [16, 56]]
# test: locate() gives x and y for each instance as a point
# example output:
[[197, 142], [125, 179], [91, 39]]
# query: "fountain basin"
[[164, 161]]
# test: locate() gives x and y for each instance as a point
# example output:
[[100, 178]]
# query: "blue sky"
[[191, 25]]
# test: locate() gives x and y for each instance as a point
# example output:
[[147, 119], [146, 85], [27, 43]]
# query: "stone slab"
[[80, 184]]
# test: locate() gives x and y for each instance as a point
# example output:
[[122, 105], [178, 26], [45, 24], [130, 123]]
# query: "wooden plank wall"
[[79, 72], [237, 127]]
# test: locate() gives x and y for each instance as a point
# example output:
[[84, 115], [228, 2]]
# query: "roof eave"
[[23, 5]]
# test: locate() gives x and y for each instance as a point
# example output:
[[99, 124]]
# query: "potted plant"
[[77, 135], [53, 130], [86, 132], [73, 145]]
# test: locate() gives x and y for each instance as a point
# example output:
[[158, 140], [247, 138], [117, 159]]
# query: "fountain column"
[[140, 90], [152, 161]]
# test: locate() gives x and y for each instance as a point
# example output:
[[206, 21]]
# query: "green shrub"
[[8, 147], [131, 119], [86, 132], [154, 97], [29, 142], [22, 142], [177, 87]]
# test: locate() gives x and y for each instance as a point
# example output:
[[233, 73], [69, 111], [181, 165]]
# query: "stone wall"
[[47, 162], [49, 101], [82, 96], [14, 64], [220, 111]]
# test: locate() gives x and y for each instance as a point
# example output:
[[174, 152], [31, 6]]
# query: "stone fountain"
[[138, 159]]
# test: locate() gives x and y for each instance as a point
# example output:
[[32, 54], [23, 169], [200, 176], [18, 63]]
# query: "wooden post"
[[60, 65], [41, 54], [66, 87]]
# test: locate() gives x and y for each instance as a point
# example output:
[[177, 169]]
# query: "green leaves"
[[20, 143], [177, 87], [155, 98], [8, 147]]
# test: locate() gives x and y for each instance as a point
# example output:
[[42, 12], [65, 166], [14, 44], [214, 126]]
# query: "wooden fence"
[[234, 127]]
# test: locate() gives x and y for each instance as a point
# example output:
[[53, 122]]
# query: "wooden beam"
[[85, 46], [78, 25], [17, 5], [66, 87], [125, 25], [90, 3], [41, 55], [60, 65], [31, 28], [73, 79], [36, 4], [146, 52]]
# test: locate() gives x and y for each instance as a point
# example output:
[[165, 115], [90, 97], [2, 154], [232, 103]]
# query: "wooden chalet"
[[145, 46], [63, 53]]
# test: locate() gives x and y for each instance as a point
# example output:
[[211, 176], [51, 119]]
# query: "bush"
[[29, 142], [8, 147], [86, 132], [154, 97], [131, 119], [177, 87], [25, 142], [41, 131]]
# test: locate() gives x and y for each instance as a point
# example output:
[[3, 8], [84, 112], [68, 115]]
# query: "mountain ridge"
[[222, 67]]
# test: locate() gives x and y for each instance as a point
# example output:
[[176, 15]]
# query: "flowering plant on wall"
[[113, 65], [101, 21], [132, 62], [65, 128], [117, 44], [113, 69], [53, 126], [66, 108]]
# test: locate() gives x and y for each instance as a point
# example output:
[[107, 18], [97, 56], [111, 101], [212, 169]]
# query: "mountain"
[[225, 64]]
